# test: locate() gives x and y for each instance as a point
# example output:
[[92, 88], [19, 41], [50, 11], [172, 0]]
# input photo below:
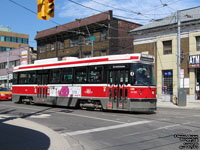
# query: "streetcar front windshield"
[[143, 74]]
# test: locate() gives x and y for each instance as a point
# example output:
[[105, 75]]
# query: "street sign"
[[92, 38]]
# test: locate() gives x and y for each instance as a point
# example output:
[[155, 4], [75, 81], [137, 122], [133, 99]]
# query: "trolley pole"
[[8, 66]]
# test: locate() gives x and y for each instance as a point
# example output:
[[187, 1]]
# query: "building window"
[[17, 62], [42, 48], [2, 65], [14, 39], [167, 82], [74, 42], [62, 45], [103, 35], [103, 53], [19, 40], [8, 48], [52, 46], [25, 41], [87, 40], [198, 43], [87, 55], [167, 47], [8, 39], [2, 38]]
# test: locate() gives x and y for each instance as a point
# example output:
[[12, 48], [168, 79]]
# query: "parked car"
[[5, 94]]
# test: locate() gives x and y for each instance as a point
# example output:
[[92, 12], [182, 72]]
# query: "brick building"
[[159, 38], [101, 34]]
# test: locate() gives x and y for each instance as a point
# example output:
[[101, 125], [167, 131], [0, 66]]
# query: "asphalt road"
[[167, 129]]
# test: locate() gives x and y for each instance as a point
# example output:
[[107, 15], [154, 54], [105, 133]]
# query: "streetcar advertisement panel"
[[65, 91]]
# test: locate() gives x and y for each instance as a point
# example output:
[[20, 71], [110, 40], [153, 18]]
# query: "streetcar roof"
[[52, 63]]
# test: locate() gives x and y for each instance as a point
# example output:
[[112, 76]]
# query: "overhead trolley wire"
[[70, 31], [103, 11]]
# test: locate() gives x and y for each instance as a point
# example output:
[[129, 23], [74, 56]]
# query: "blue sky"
[[21, 20]]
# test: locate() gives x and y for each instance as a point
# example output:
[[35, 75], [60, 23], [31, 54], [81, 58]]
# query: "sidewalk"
[[168, 104], [21, 134]]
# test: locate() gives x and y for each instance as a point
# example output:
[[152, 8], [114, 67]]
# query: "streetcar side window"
[[31, 77], [15, 78], [22, 78], [39, 77], [67, 75], [80, 75], [54, 76], [95, 74]]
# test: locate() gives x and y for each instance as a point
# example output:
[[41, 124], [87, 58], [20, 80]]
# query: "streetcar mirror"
[[131, 74], [133, 78]]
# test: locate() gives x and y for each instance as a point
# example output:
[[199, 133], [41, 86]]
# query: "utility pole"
[[178, 54], [92, 50], [92, 42], [181, 92], [8, 66]]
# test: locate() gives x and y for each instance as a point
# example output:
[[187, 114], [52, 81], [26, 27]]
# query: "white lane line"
[[105, 128], [161, 128], [40, 116], [69, 114], [93, 117]]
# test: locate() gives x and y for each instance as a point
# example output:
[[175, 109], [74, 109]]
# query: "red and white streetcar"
[[115, 82]]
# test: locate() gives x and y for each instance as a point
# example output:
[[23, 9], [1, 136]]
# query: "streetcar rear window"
[[22, 77], [31, 77], [15, 78]]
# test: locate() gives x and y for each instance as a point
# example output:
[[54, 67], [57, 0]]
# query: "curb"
[[57, 141]]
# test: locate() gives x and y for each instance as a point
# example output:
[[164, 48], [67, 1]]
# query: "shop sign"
[[5, 77], [194, 61], [167, 73]]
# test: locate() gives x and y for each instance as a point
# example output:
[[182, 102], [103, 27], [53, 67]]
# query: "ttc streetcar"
[[115, 82]]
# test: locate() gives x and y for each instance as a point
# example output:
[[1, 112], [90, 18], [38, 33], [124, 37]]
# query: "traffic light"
[[50, 10], [42, 9]]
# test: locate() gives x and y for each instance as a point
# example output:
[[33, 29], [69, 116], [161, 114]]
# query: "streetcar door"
[[118, 91], [42, 89]]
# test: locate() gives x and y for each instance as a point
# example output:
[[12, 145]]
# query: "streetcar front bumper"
[[143, 105]]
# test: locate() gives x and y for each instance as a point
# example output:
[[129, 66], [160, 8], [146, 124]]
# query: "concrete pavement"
[[17, 133], [168, 104]]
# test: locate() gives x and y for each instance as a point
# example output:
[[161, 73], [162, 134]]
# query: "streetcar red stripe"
[[76, 62], [65, 63]]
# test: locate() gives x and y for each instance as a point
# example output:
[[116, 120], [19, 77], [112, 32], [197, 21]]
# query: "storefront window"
[[167, 85]]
